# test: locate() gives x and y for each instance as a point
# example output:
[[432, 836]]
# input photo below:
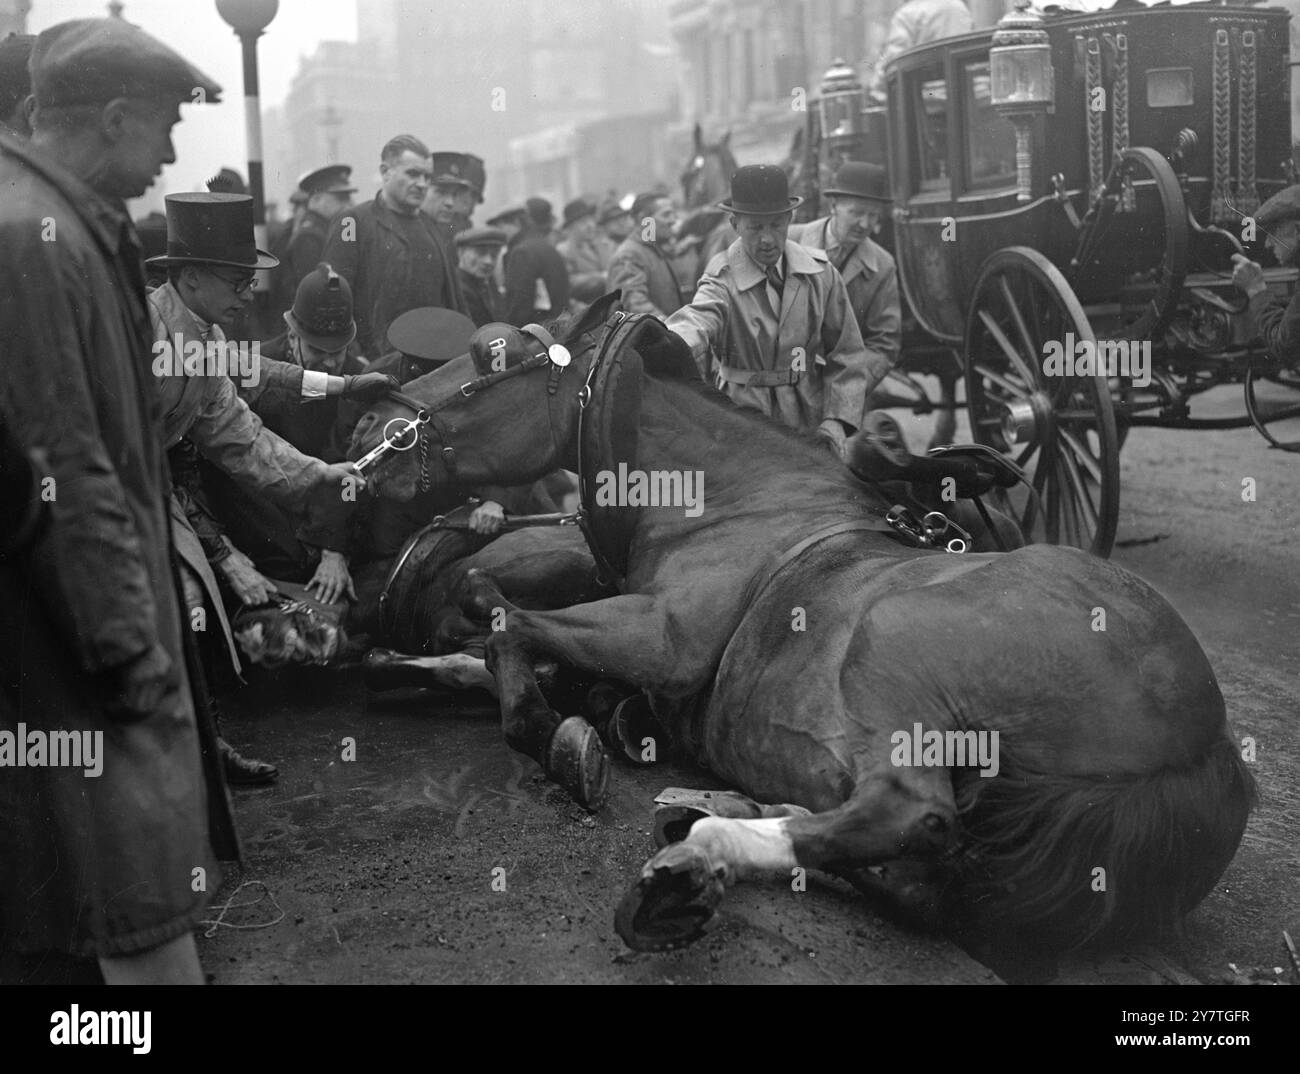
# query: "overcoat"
[[646, 277], [385, 273], [120, 862], [871, 278], [802, 364]]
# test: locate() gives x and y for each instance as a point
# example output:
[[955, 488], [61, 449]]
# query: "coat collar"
[[799, 261], [105, 217], [178, 317], [865, 259]]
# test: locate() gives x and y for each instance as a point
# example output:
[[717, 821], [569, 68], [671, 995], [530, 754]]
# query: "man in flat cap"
[[771, 322], [478, 249], [393, 254], [585, 250], [1277, 323], [92, 639], [16, 84], [329, 191], [641, 266]]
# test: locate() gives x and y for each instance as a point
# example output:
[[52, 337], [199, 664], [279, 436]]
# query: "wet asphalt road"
[[388, 868]]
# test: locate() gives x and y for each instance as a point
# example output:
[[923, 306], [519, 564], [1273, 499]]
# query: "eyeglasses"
[[240, 286]]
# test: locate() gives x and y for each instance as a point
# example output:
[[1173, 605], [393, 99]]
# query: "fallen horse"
[[786, 640]]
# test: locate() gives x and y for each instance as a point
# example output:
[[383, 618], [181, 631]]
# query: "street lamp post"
[[249, 18]]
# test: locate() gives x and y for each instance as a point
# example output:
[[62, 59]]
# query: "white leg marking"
[[459, 671], [745, 847]]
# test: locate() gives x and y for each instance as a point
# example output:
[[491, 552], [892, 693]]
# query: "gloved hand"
[[136, 689], [369, 386]]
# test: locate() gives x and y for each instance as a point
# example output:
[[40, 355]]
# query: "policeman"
[[329, 190], [1278, 325], [452, 195]]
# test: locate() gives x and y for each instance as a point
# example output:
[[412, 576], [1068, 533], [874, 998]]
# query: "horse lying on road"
[[796, 648]]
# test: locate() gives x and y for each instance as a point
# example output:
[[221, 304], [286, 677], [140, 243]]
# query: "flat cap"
[[1284, 205], [331, 179], [515, 212], [481, 236], [94, 61]]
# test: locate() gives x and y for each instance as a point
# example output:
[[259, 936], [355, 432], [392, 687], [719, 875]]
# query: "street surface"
[[388, 868]]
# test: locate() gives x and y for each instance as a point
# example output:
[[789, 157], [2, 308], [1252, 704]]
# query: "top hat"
[[431, 334], [449, 170], [322, 310], [760, 190], [212, 229], [857, 179], [577, 210], [331, 179]]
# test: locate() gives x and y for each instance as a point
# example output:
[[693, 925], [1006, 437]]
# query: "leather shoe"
[[243, 772]]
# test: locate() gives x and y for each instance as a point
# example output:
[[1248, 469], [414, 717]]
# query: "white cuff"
[[314, 384]]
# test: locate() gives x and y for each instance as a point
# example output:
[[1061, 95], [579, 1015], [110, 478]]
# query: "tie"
[[840, 257], [776, 284]]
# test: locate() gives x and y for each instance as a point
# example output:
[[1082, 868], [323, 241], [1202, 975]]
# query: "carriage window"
[[1169, 87], [990, 138], [930, 104]]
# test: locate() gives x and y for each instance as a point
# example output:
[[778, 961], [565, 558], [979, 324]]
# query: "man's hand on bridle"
[[369, 386]]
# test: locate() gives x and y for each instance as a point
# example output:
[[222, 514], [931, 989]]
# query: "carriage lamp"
[[1020, 66], [841, 99]]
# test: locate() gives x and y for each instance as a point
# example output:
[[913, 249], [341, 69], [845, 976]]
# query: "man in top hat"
[[92, 634], [641, 266], [394, 255], [1276, 322], [16, 84], [858, 198], [210, 262], [329, 191], [537, 283], [452, 197], [771, 320], [478, 249], [585, 250]]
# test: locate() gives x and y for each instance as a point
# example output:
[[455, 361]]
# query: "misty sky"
[[209, 136]]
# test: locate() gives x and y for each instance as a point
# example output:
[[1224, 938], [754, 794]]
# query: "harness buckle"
[[470, 385]]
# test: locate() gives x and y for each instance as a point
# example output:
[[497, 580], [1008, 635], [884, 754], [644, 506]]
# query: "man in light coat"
[[914, 23], [771, 321], [858, 197]]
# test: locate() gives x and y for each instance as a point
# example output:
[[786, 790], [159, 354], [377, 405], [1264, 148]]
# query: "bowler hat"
[[431, 334], [1284, 205], [481, 236], [449, 170], [857, 179], [540, 212], [322, 310], [760, 190], [331, 179], [577, 209], [212, 229], [94, 61]]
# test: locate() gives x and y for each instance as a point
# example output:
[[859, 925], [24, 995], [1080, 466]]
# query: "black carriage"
[[1069, 190]]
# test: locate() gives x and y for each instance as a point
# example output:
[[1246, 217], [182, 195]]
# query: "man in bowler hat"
[[771, 322]]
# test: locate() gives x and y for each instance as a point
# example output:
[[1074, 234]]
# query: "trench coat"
[[754, 355], [871, 278], [381, 268], [228, 434], [646, 277], [99, 866]]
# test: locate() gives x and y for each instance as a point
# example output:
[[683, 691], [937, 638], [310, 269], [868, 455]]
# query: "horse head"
[[707, 178], [506, 413]]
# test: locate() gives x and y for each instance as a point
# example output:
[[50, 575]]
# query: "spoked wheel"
[[1059, 429]]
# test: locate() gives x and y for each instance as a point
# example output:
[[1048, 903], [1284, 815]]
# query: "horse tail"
[[1034, 842]]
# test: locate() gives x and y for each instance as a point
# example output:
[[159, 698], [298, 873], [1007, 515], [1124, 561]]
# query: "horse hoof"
[[576, 760], [673, 902]]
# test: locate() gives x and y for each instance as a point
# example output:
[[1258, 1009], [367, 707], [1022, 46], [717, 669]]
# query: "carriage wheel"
[[1059, 429]]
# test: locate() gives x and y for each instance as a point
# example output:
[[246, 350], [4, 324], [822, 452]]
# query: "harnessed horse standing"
[[786, 640]]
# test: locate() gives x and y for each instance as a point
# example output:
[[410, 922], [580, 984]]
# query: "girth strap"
[[865, 525]]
